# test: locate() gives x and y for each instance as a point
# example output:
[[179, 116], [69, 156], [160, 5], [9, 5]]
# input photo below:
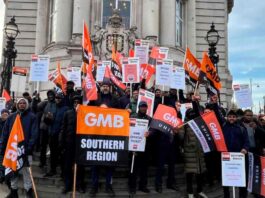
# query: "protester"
[[194, 163], [47, 108], [237, 140], [67, 145], [29, 124], [132, 106], [105, 99], [141, 158], [70, 93], [27, 96], [4, 115], [158, 99], [125, 99], [54, 130]]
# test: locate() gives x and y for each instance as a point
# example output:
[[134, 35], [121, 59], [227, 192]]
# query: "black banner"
[[102, 150]]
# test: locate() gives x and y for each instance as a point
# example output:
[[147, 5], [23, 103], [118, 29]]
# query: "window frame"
[[179, 22]]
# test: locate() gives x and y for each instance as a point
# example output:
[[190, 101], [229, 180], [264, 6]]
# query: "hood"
[[27, 103]]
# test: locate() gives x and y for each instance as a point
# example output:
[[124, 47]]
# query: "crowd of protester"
[[51, 123]]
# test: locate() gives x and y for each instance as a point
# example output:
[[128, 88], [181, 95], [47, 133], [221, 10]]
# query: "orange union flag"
[[192, 67], [102, 136], [15, 151]]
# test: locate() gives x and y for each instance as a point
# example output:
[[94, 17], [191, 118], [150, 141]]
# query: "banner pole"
[[131, 90], [33, 183], [163, 97], [234, 192], [38, 86], [133, 157], [74, 187]]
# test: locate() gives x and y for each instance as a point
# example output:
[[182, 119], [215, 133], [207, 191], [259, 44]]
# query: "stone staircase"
[[51, 187]]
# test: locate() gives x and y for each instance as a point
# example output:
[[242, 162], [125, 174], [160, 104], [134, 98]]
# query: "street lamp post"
[[213, 38], [10, 53]]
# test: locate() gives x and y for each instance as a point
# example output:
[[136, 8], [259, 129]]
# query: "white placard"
[[141, 50], [74, 74], [149, 98], [2, 103], [243, 95], [137, 129], [163, 72], [130, 70], [39, 68], [101, 70], [19, 79], [233, 169], [177, 80]]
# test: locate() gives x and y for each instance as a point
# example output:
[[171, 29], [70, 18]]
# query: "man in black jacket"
[[107, 100], [67, 145], [141, 158]]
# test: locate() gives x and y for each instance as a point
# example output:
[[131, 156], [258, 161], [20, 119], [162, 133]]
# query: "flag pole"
[[196, 88], [33, 183], [74, 187], [163, 97], [132, 165]]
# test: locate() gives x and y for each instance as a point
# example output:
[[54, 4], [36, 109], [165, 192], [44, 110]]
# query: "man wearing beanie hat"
[[29, 125], [236, 139]]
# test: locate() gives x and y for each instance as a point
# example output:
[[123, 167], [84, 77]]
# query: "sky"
[[246, 30]]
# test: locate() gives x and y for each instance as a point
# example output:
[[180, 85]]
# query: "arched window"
[[179, 23], [124, 7]]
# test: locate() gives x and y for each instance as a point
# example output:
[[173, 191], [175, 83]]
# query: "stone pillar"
[[150, 25], [62, 20], [168, 23], [41, 25], [81, 13]]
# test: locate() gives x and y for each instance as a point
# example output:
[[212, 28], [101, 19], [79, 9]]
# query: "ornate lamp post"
[[212, 38], [10, 53]]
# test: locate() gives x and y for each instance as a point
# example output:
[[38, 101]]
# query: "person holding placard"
[[141, 158], [237, 140]]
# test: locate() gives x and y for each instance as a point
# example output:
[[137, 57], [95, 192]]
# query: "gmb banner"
[[102, 136]]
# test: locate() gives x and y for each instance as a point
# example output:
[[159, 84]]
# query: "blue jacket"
[[29, 124], [236, 137], [55, 127]]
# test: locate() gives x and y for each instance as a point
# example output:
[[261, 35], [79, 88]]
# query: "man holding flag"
[[16, 145]]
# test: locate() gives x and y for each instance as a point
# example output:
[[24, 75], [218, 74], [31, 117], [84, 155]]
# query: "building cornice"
[[230, 5]]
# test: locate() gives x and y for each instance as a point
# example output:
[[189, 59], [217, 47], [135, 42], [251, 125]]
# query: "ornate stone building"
[[54, 27]]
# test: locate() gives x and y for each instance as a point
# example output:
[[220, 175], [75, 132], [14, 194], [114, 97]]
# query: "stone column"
[[41, 25], [62, 20], [168, 23], [150, 25], [81, 13]]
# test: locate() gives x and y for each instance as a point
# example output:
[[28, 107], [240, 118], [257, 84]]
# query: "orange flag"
[[87, 48], [192, 67], [15, 151], [210, 71], [61, 80], [6, 95], [89, 87]]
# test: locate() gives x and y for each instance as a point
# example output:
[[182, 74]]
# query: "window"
[[124, 7], [179, 23], [51, 21]]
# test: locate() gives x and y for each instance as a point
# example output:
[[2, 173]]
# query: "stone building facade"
[[54, 27]]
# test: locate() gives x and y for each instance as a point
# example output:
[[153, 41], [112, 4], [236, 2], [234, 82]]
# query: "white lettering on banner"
[[199, 135], [193, 68], [92, 120], [172, 119], [102, 156], [12, 153], [215, 131], [102, 144]]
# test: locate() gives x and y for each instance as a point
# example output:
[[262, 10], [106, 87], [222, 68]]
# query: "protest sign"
[[243, 95], [2, 103], [149, 98], [163, 72], [19, 78], [177, 78], [74, 74], [141, 50], [137, 129], [39, 68], [130, 70], [233, 169], [101, 70], [102, 136]]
